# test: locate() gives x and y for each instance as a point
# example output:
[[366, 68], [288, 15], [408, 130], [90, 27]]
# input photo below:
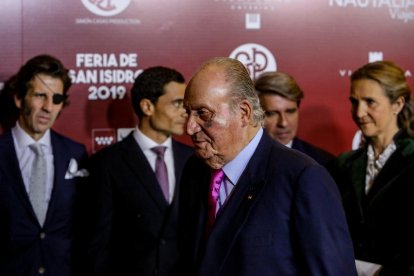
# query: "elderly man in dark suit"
[[280, 97], [136, 187], [269, 210], [39, 175]]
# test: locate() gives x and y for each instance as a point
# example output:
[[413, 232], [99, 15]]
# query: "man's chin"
[[283, 139], [214, 164], [211, 160], [202, 154]]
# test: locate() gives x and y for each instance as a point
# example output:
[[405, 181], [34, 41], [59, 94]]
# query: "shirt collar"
[[24, 140], [235, 167], [289, 145], [147, 143]]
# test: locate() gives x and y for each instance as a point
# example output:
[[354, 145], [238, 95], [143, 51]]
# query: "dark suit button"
[[163, 242], [139, 216], [42, 235], [41, 270]]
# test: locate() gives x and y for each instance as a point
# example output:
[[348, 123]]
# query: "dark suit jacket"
[[284, 217], [25, 246], [380, 222], [135, 231], [318, 154]]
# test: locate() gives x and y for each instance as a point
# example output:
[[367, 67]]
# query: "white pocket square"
[[73, 170]]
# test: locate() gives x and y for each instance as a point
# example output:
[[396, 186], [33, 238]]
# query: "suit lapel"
[[11, 166], [138, 163], [297, 145], [357, 172], [61, 158], [201, 183], [236, 212], [179, 163]]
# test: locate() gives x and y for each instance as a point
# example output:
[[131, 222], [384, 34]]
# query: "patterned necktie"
[[161, 171], [213, 195], [37, 192]]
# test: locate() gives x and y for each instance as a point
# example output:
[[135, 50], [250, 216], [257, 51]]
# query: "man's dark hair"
[[150, 85], [19, 84], [41, 64]]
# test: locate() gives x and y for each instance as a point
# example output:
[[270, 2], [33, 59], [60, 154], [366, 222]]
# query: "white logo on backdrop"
[[253, 21], [104, 140], [398, 10], [106, 7], [372, 57], [253, 5], [375, 56], [256, 58]]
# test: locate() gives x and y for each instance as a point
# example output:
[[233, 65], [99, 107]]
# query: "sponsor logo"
[[402, 10], [106, 7], [375, 56], [372, 57], [252, 5], [256, 58], [252, 9], [102, 137], [253, 21]]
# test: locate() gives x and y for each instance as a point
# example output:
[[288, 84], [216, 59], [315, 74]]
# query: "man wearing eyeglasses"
[[39, 172]]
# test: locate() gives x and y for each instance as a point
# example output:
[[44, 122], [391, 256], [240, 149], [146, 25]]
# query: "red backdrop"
[[106, 43]]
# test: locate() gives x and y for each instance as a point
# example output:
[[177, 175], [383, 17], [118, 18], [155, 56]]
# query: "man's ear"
[[147, 107], [246, 112], [18, 102]]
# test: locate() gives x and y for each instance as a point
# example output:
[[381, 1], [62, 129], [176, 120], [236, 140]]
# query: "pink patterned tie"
[[213, 195]]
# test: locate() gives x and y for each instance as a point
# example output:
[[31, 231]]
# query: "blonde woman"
[[377, 180]]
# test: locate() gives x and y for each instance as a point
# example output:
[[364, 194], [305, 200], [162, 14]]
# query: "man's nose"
[[281, 120], [47, 104], [192, 126]]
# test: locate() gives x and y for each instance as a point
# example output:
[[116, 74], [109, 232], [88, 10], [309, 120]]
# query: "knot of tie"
[[37, 149], [159, 150]]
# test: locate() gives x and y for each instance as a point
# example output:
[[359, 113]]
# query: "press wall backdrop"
[[107, 43]]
